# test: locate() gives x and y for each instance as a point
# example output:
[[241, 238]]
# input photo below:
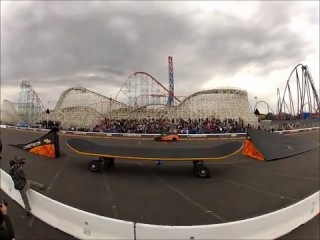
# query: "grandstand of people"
[[144, 105]]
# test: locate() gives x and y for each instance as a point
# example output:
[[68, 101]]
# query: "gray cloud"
[[58, 43], [263, 40]]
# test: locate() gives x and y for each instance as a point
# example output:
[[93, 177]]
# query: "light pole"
[[256, 102], [110, 102], [47, 112]]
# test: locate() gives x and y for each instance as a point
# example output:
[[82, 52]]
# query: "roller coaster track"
[[29, 104], [141, 90], [141, 84], [270, 110], [306, 94]]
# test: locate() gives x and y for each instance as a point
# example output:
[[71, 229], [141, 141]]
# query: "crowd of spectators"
[[162, 125]]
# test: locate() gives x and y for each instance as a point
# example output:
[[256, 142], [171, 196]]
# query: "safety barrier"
[[268, 226], [75, 222], [84, 225], [135, 135]]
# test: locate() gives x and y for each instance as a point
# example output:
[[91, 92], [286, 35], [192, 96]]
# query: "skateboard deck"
[[224, 150]]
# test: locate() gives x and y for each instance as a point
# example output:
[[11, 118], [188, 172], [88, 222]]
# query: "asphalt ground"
[[169, 194]]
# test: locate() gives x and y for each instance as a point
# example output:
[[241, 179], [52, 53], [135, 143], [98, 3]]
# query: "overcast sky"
[[97, 45]]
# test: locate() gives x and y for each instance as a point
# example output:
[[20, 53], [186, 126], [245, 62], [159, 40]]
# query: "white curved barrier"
[[84, 225], [269, 226], [75, 222]]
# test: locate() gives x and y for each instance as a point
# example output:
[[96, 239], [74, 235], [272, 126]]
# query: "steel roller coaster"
[[300, 98]]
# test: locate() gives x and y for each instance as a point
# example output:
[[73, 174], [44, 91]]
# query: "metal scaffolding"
[[80, 107], [300, 95], [142, 96], [30, 106], [149, 112], [77, 117], [216, 103], [171, 82], [141, 90], [9, 113]]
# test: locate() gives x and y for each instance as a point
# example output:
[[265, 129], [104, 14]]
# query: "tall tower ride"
[[170, 102]]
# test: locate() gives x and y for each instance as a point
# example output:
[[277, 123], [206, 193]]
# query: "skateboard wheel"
[[94, 166], [203, 171]]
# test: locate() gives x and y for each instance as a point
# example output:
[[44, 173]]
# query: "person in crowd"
[[159, 125]]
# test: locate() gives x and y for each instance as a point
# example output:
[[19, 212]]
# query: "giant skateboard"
[[107, 154]]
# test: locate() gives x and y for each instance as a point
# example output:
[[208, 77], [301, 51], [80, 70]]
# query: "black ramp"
[[275, 146], [83, 146], [51, 138]]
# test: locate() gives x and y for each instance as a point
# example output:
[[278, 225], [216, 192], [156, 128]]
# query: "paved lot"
[[168, 194]]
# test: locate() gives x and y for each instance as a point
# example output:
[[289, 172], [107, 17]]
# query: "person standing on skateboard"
[[21, 183]]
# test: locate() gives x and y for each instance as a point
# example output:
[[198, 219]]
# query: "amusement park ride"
[[142, 96], [307, 104], [146, 97]]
